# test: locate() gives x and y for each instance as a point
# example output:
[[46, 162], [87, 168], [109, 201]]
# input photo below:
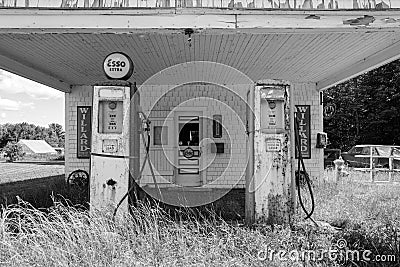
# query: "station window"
[[160, 135]]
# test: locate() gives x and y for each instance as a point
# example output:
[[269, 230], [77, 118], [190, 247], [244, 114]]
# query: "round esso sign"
[[118, 66]]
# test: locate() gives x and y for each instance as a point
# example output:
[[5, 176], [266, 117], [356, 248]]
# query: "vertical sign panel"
[[217, 126], [303, 116], [84, 125]]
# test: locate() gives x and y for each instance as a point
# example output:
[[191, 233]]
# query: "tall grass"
[[66, 236], [69, 236], [368, 213]]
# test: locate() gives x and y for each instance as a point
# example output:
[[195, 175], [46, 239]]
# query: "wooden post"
[[293, 189], [371, 165], [390, 169], [337, 174], [249, 194]]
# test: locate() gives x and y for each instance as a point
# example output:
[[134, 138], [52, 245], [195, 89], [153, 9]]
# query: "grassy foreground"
[[65, 236]]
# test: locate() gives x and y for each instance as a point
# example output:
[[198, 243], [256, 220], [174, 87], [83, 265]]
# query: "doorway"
[[189, 129]]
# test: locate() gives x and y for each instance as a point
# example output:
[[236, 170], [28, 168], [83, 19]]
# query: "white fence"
[[373, 159]]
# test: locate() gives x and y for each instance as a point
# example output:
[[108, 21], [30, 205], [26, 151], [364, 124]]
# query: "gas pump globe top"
[[272, 109]]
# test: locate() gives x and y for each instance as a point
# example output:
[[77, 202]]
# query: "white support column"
[[307, 94], [79, 96]]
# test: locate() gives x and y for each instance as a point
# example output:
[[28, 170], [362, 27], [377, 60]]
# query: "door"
[[189, 131]]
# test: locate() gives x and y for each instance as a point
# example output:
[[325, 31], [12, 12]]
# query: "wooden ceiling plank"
[[369, 44], [304, 54], [24, 52], [242, 49], [161, 45], [309, 51], [376, 60], [198, 46], [306, 64], [206, 41], [264, 53], [156, 57], [215, 42], [268, 53], [332, 58], [254, 50], [210, 52], [141, 65], [169, 49], [280, 49], [295, 47], [83, 63], [221, 56], [33, 74], [311, 57], [318, 63], [179, 56], [249, 60], [217, 47], [235, 44]]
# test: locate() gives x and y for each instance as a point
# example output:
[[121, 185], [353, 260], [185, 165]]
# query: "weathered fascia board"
[[371, 62], [197, 11], [33, 74], [328, 22], [112, 20]]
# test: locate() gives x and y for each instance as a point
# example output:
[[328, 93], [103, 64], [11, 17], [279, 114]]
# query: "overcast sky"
[[22, 100]]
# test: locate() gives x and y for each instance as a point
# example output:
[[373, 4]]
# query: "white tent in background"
[[31, 147]]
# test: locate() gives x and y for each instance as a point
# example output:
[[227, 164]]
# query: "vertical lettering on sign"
[[303, 116], [84, 126]]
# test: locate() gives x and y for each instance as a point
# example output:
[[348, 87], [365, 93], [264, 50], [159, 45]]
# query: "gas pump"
[[273, 186], [273, 109], [109, 172]]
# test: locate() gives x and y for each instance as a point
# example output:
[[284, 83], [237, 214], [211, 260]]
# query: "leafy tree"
[[6, 134], [54, 134], [56, 131], [13, 151], [368, 109]]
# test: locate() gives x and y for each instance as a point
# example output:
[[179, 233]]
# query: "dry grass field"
[[366, 216], [18, 171]]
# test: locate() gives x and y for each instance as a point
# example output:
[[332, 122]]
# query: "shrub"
[[13, 151]]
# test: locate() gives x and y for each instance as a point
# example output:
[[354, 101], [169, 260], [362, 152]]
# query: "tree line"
[[53, 134], [367, 109]]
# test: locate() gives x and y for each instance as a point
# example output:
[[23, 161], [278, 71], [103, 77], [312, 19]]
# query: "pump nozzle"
[[145, 121]]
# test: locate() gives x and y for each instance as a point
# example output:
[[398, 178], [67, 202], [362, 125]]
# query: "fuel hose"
[[301, 171]]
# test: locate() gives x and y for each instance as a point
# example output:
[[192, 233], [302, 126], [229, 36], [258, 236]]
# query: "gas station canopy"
[[65, 47]]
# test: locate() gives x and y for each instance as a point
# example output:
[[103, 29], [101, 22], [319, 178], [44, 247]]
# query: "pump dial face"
[[271, 104], [112, 105]]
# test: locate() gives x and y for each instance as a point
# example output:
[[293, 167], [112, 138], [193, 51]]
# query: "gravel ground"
[[18, 171]]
